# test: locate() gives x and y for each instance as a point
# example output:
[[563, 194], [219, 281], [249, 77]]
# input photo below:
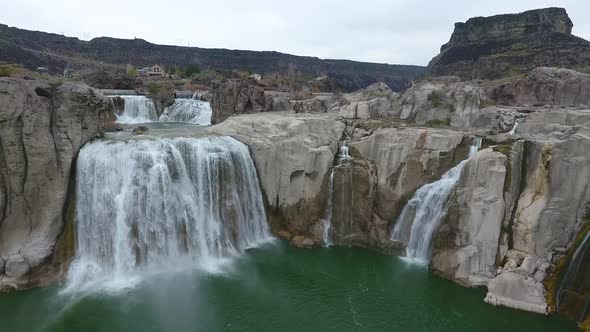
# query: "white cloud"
[[384, 31]]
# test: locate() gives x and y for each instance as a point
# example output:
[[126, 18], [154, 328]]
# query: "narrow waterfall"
[[137, 109], [513, 130], [423, 213], [146, 203], [344, 152], [327, 221], [573, 295], [188, 110]]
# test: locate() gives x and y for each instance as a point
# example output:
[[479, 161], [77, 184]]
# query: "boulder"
[[515, 291], [40, 135], [16, 266], [233, 97], [140, 130], [2, 264]]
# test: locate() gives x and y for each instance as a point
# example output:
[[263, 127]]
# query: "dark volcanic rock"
[[34, 49], [506, 45], [232, 97]]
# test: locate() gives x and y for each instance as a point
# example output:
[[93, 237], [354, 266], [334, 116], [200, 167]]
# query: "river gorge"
[[459, 204]]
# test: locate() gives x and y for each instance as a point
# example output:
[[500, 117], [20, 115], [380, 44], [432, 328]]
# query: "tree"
[[131, 71]]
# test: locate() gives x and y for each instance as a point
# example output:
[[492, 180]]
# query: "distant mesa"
[[511, 44]]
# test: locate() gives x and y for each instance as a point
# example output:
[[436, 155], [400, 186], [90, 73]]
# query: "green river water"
[[278, 288]]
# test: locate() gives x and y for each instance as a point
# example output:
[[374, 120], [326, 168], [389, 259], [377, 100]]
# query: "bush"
[[131, 71], [435, 98], [7, 70]]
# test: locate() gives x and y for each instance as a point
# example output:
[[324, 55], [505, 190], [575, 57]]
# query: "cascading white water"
[[188, 110], [144, 203], [327, 221], [423, 213], [138, 109], [344, 152], [513, 130]]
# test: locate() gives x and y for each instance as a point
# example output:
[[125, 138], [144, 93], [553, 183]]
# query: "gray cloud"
[[385, 31]]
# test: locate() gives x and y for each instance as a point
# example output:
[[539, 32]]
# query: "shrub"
[[435, 98], [131, 71], [7, 70]]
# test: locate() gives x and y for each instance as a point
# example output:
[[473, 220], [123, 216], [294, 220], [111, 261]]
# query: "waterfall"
[[344, 152], [422, 215], [327, 221], [513, 130], [571, 275], [188, 110], [146, 203], [138, 109]]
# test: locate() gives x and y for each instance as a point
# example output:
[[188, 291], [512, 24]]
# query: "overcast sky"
[[385, 31]]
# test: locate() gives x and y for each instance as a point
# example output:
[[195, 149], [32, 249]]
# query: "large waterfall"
[[145, 203], [422, 215], [138, 109], [188, 110]]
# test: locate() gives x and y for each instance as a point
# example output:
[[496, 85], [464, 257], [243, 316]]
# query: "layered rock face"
[[505, 45], [42, 127], [467, 243], [233, 97], [293, 156]]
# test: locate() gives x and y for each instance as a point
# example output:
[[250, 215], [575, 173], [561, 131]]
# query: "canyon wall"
[[42, 127]]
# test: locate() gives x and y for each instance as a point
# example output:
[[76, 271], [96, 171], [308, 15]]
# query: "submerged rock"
[[140, 130]]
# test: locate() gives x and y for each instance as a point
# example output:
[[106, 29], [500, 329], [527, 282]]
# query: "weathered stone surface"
[[513, 290], [407, 158], [545, 86], [293, 154], [355, 185], [506, 45], [375, 101], [17, 266], [40, 135], [2, 264], [233, 97], [466, 246]]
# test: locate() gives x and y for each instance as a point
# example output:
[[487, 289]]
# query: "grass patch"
[[438, 123]]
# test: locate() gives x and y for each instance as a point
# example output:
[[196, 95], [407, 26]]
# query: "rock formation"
[[506, 45], [42, 127], [233, 97]]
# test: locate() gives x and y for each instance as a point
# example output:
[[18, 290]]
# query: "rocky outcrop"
[[545, 86], [375, 101], [507, 45], [293, 155], [42, 127], [233, 97], [515, 291], [388, 165], [467, 242]]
